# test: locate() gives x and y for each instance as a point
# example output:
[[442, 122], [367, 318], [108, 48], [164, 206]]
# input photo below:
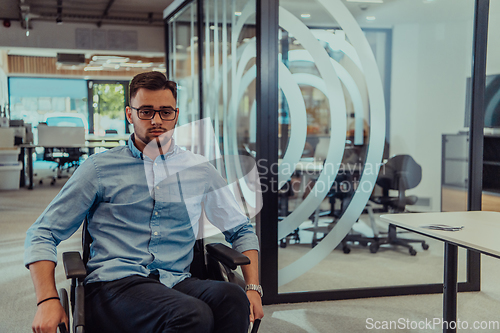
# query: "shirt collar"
[[138, 154]]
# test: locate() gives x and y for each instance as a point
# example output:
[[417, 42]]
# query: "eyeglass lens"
[[165, 114]]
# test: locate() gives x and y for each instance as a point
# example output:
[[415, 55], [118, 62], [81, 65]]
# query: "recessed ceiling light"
[[366, 1], [370, 18], [237, 13], [305, 15]]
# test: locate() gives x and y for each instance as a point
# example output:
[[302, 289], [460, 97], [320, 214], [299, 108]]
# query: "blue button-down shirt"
[[143, 214]]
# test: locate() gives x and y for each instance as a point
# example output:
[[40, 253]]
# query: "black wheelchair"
[[214, 261]]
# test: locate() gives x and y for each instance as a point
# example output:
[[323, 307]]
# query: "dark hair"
[[151, 81]]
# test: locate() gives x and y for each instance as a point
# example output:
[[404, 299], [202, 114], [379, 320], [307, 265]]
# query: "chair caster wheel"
[[53, 182], [374, 247], [40, 182], [413, 252], [346, 249], [425, 246], [283, 243]]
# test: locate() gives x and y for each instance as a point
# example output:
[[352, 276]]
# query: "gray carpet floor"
[[19, 209]]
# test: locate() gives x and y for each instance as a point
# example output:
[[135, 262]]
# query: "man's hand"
[[256, 311], [48, 316], [50, 312]]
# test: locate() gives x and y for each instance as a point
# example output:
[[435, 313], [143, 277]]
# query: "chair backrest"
[[401, 172]]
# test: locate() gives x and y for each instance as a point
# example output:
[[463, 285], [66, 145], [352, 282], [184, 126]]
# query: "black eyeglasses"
[[167, 114]]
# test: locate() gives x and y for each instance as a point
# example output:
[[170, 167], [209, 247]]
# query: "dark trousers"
[[142, 304]]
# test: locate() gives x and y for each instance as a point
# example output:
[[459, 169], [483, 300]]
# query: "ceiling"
[[150, 13], [99, 12]]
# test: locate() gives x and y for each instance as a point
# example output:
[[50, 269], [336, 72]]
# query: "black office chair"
[[66, 158], [284, 194], [218, 262], [400, 173]]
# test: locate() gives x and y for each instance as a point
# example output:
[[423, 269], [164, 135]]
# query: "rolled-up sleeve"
[[242, 238], [224, 212], [63, 216]]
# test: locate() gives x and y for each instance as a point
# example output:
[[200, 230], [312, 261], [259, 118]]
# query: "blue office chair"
[[214, 261]]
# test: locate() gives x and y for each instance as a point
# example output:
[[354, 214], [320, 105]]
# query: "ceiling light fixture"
[[370, 18], [366, 1], [305, 15], [237, 13], [110, 58], [88, 68], [138, 64]]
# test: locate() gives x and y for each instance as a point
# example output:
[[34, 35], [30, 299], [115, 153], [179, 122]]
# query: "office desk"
[[481, 231], [107, 138], [309, 166], [29, 148]]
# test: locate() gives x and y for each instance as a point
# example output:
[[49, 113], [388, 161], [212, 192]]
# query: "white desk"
[[107, 138], [309, 166], [481, 232]]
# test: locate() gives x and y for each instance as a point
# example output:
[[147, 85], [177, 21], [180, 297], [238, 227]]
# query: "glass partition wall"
[[336, 101]]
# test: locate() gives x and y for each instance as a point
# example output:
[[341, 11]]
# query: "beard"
[[159, 144]]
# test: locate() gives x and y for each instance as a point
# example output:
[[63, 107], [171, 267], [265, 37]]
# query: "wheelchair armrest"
[[227, 256], [73, 265]]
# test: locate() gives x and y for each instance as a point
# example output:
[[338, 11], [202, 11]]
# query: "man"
[[140, 217]]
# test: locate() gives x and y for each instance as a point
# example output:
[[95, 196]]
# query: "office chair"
[[66, 158], [284, 194], [218, 262], [400, 173]]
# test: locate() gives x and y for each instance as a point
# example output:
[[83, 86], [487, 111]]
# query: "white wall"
[[493, 59], [4, 91], [431, 62], [48, 35]]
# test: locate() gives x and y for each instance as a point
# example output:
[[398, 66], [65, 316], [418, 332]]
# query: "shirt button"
[[156, 213], [156, 233], [157, 187], [156, 163]]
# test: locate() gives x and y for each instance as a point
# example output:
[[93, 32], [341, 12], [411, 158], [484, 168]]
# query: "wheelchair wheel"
[[63, 295]]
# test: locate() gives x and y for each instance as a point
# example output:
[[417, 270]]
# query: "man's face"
[[147, 130]]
